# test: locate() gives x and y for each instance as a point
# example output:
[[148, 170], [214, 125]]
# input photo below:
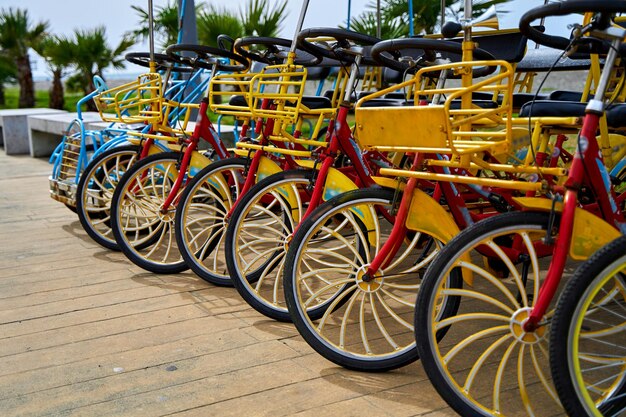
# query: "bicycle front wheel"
[[258, 235], [480, 359], [143, 231], [588, 337], [362, 324], [202, 218], [95, 192]]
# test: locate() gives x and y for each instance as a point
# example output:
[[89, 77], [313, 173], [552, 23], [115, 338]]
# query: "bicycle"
[[489, 355], [275, 100], [98, 179], [143, 204]]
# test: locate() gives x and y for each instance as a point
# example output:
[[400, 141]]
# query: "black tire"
[[276, 219], [95, 191], [487, 323], [144, 234], [322, 259], [597, 291], [201, 208]]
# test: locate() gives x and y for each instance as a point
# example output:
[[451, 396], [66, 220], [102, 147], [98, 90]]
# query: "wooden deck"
[[85, 332]]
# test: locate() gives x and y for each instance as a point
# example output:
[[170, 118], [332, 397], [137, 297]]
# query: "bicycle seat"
[[615, 115], [312, 102], [564, 95], [315, 102], [484, 104], [385, 102], [542, 60], [552, 108], [237, 101]]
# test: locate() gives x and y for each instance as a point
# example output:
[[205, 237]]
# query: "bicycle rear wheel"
[[480, 359], [142, 230], [588, 337]]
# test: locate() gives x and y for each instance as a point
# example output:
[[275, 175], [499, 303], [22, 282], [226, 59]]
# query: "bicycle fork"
[[398, 232]]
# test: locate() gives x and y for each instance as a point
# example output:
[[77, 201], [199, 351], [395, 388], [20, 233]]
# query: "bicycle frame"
[[587, 168]]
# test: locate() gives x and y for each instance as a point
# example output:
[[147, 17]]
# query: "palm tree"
[[426, 16], [259, 20], [57, 51], [91, 55], [17, 35], [8, 74], [214, 21], [367, 22], [165, 23], [256, 19]]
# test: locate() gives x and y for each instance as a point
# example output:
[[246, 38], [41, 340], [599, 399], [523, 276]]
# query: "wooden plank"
[[85, 332]]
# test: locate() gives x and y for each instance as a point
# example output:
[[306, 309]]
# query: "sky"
[[116, 15]]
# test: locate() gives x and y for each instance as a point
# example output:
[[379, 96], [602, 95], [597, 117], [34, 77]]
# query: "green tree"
[[17, 35], [165, 24], [390, 28], [213, 21], [91, 55], [257, 18], [8, 74], [261, 20], [426, 16], [57, 52]]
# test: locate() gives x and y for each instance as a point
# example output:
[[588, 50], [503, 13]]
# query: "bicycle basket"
[[456, 126], [135, 102], [282, 86]]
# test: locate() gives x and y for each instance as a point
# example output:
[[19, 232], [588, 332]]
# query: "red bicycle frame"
[[587, 169]]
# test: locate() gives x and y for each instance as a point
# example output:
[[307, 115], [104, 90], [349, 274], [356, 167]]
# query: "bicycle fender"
[[426, 215], [590, 232], [617, 148], [338, 183], [266, 168], [618, 168], [198, 161]]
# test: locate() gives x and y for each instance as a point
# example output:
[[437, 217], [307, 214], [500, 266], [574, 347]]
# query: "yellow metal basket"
[[241, 95], [284, 86], [455, 127], [135, 102], [229, 94]]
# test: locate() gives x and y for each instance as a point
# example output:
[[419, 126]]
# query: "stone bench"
[[46, 131], [14, 128]]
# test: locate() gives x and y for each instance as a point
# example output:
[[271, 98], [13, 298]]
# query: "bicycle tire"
[[201, 214], [467, 356], [257, 236], [95, 191], [143, 233], [589, 335], [382, 332]]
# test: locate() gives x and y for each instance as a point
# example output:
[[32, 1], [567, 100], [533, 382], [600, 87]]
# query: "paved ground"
[[83, 332]]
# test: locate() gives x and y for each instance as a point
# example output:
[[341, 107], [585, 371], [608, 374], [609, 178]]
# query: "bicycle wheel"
[[143, 232], [588, 337], [486, 364], [201, 218], [360, 325], [258, 236], [95, 191]]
